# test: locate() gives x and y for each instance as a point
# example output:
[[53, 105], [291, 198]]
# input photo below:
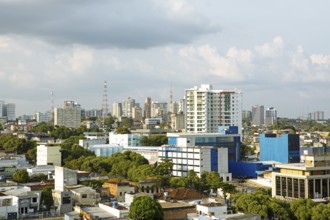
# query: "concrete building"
[[137, 113], [125, 139], [207, 109], [106, 150], [178, 121], [258, 115], [231, 141], [87, 143], [147, 108], [282, 148], [310, 179], [43, 117], [196, 158], [271, 116], [128, 105], [85, 195], [49, 154], [159, 110], [117, 109], [68, 116], [61, 196]]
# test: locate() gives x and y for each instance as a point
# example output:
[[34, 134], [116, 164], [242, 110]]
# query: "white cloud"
[[320, 59], [273, 49]]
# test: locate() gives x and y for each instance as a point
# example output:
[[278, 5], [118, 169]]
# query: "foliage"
[[321, 211], [179, 182], [302, 208], [123, 130], [47, 198], [245, 150], [95, 184], [126, 122], [43, 127], [141, 172], [21, 176], [143, 208], [154, 140], [38, 177], [31, 155]]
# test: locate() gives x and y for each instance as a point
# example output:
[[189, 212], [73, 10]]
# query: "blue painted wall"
[[282, 148], [246, 169], [172, 141], [214, 159]]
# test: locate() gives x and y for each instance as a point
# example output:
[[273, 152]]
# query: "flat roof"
[[301, 166], [171, 205], [200, 135]]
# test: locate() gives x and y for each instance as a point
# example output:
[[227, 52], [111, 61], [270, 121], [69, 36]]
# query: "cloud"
[[103, 23], [270, 63]]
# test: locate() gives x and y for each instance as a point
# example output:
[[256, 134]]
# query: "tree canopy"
[[143, 208], [21, 176], [154, 140]]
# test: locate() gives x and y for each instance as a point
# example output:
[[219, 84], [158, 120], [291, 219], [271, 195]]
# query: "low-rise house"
[[26, 201], [176, 210], [85, 195], [7, 209], [118, 189]]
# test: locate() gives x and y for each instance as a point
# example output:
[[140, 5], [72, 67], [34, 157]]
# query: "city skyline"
[[274, 52]]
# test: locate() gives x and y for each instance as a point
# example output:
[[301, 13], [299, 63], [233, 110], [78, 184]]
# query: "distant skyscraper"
[[117, 109], [159, 109], [207, 109], [68, 116], [2, 109], [43, 117], [128, 105], [271, 116], [318, 115], [11, 112], [137, 113], [258, 113], [147, 108]]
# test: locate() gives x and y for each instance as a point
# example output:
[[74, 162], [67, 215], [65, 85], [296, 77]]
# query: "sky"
[[276, 52]]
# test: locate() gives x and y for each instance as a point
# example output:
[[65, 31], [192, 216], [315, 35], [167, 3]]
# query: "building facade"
[[284, 148], [271, 116], [198, 159], [310, 179], [258, 115], [207, 109], [68, 116], [49, 154], [147, 108]]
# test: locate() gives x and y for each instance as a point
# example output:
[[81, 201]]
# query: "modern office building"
[[43, 117], [271, 116], [258, 115], [207, 109], [310, 179], [282, 148], [68, 116], [198, 159], [217, 140], [49, 154], [147, 108], [7, 111]]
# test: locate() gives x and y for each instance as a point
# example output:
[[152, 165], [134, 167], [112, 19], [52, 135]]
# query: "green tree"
[[145, 208], [302, 208], [21, 176], [31, 155], [179, 182], [47, 198], [43, 127], [154, 140], [123, 130], [321, 212]]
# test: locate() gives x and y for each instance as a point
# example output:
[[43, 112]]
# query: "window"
[[84, 196]]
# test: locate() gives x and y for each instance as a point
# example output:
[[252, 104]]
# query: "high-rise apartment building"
[[137, 113], [117, 109], [207, 109], [128, 105], [68, 116], [147, 108], [159, 109], [258, 115], [271, 116]]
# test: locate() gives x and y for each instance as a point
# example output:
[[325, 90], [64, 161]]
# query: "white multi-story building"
[[68, 116], [159, 109], [48, 154], [128, 105], [207, 109], [117, 109], [43, 117], [196, 158], [106, 150], [125, 139]]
